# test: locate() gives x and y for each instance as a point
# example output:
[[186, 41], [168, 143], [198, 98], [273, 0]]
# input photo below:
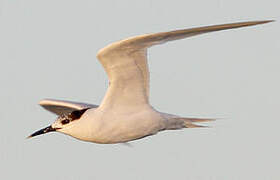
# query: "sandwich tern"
[[125, 113]]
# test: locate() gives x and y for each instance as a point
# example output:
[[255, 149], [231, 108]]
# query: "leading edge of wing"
[[148, 40], [61, 107]]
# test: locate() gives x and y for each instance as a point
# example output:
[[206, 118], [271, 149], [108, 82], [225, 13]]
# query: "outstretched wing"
[[61, 107], [125, 63]]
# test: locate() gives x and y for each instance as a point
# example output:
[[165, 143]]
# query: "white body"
[[101, 126], [125, 113]]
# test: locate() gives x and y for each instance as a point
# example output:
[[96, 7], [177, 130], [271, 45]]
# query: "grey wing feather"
[[61, 107], [148, 40], [125, 63]]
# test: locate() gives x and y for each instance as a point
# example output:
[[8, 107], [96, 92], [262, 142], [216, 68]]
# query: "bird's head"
[[64, 123]]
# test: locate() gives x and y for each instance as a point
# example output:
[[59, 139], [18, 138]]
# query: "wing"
[[61, 107], [125, 63]]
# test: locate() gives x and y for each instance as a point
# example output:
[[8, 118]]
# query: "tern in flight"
[[125, 113]]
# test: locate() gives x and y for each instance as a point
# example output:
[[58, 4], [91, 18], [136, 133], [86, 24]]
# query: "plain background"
[[48, 49]]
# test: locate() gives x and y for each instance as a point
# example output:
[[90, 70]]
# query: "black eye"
[[65, 121], [77, 114]]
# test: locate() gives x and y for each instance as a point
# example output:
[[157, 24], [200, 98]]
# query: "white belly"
[[110, 127]]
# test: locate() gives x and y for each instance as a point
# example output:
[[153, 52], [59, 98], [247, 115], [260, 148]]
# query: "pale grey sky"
[[47, 50]]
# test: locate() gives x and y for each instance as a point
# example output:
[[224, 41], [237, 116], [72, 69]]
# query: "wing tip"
[[265, 21], [45, 101], [242, 24]]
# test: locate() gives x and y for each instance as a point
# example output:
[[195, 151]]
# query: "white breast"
[[103, 126]]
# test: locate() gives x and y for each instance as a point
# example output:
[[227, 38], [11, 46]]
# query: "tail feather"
[[190, 122], [198, 119], [192, 125], [177, 122]]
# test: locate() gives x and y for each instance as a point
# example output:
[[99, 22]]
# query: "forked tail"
[[190, 122], [177, 122]]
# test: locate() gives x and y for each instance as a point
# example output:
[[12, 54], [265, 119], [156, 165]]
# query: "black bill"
[[43, 131]]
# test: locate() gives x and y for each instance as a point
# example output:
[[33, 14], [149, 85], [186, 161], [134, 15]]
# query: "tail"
[[177, 122], [190, 122]]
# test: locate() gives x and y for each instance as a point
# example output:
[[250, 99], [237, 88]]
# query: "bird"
[[125, 113]]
